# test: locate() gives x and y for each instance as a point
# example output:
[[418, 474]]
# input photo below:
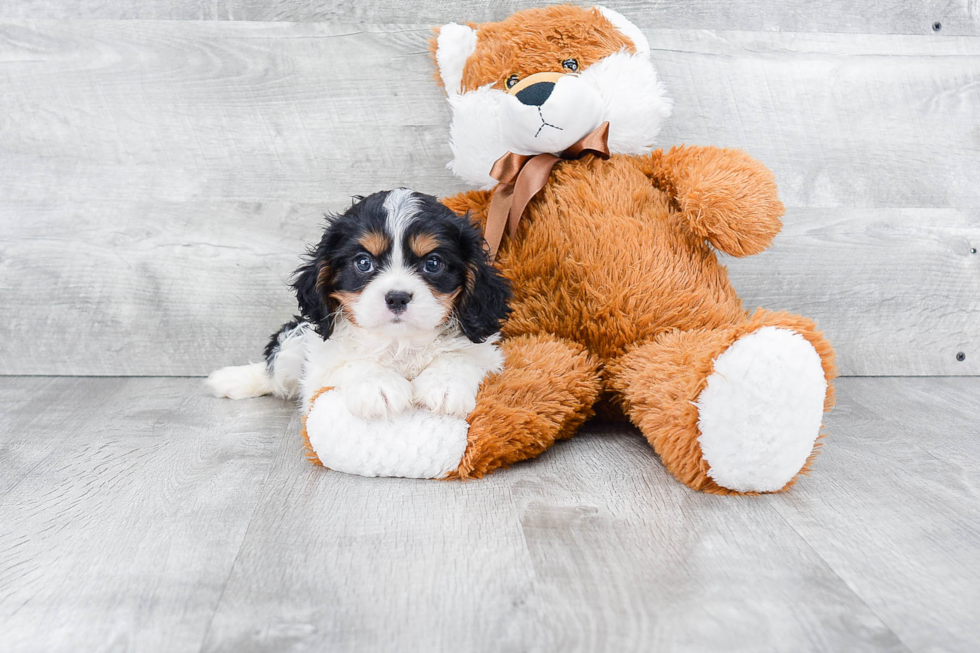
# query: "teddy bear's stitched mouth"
[[545, 123]]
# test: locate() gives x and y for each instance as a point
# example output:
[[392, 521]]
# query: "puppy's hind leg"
[[285, 356], [278, 375]]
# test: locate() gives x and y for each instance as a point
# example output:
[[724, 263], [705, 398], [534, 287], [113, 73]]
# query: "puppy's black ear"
[[482, 304], [313, 283]]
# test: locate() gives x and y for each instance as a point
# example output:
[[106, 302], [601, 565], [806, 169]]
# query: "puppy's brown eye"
[[433, 264], [363, 264], [570, 64], [512, 81]]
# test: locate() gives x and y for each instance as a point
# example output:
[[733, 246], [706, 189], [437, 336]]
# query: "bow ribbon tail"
[[522, 176], [534, 176], [500, 204], [510, 199]]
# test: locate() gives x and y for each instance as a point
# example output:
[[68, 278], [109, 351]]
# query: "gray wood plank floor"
[[141, 514]]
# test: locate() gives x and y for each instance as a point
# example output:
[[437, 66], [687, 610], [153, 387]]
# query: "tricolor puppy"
[[400, 307]]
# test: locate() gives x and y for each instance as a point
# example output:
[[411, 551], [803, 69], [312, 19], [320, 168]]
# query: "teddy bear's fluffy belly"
[[613, 276]]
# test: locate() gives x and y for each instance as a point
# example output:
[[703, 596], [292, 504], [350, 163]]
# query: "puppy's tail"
[[240, 381], [280, 373]]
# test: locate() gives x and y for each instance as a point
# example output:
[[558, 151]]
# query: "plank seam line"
[[857, 595], [241, 545]]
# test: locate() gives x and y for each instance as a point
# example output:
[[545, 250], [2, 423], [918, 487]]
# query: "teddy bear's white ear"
[[454, 45], [629, 30]]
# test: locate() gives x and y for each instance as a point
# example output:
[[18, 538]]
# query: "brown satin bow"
[[521, 177]]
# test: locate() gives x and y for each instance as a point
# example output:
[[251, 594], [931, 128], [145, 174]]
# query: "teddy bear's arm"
[[475, 202], [725, 195]]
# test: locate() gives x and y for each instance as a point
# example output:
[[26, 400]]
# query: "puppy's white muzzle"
[[542, 114]]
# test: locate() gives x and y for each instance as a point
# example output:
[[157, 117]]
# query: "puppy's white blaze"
[[421, 315], [402, 208], [628, 29]]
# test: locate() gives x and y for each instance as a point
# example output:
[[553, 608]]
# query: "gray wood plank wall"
[[956, 17], [158, 178]]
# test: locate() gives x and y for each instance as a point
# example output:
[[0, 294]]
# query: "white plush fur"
[[761, 411], [622, 88], [474, 135], [412, 444], [454, 45], [573, 109], [635, 101], [629, 30]]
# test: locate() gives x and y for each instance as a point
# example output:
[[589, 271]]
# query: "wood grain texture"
[[123, 503], [880, 17], [896, 291], [895, 505], [151, 517], [159, 179], [171, 111], [181, 288]]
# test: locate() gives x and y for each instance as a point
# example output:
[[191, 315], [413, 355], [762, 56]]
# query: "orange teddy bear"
[[620, 304]]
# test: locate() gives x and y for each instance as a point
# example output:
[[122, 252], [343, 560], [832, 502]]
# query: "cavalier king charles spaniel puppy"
[[400, 307]]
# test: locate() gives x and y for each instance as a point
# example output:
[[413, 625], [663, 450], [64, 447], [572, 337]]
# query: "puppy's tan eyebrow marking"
[[374, 242], [422, 244]]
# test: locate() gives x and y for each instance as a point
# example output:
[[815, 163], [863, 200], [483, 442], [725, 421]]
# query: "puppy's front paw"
[[378, 396], [442, 394]]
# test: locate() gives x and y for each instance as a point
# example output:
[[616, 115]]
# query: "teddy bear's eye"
[[512, 80], [570, 64]]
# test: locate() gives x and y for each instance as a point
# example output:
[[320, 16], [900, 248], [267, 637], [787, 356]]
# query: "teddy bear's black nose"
[[536, 94]]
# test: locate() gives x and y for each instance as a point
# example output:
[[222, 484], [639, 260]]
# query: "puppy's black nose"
[[397, 300], [536, 94]]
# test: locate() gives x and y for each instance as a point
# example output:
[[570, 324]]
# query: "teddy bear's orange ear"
[[451, 46], [626, 28]]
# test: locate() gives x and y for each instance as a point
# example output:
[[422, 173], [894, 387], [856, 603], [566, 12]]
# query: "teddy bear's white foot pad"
[[413, 444], [761, 412]]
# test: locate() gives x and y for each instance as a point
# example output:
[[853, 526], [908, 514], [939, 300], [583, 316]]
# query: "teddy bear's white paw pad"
[[379, 397], [761, 411], [441, 394], [414, 444]]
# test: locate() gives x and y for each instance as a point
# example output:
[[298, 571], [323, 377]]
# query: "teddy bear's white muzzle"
[[549, 117]]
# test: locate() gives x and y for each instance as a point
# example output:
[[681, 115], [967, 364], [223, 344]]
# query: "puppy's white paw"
[[240, 381], [378, 396], [443, 394]]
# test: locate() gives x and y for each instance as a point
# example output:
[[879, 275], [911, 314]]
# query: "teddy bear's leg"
[[544, 393], [731, 410]]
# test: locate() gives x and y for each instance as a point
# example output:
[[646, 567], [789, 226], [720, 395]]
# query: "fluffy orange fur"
[[618, 293], [538, 41], [307, 446]]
